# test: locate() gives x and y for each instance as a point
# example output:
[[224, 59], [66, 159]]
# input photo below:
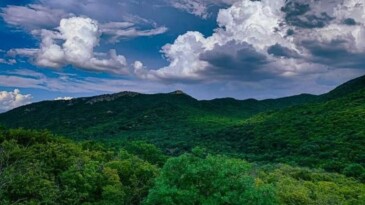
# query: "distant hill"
[[110, 115], [329, 133], [326, 131], [347, 88]]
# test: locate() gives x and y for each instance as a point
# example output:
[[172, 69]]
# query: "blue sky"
[[209, 48]]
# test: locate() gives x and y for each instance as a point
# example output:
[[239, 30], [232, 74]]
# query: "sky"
[[51, 49]]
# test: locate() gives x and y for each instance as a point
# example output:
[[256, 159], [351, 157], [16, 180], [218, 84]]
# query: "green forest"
[[132, 148], [41, 168]]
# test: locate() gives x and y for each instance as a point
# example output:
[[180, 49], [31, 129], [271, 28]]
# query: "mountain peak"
[[178, 92], [111, 97], [127, 93]]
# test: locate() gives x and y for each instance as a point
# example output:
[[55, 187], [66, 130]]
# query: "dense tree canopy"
[[37, 167], [325, 131], [208, 180]]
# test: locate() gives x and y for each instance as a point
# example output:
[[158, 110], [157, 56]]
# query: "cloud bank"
[[258, 40], [278, 47], [33, 16], [68, 83], [63, 98], [200, 8], [114, 16], [13, 99]]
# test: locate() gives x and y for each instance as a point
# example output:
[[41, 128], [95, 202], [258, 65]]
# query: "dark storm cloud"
[[334, 54], [240, 60], [299, 14], [350, 22], [281, 51], [290, 32]]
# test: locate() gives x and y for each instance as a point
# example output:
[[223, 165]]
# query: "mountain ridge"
[[325, 131], [343, 89], [128, 105]]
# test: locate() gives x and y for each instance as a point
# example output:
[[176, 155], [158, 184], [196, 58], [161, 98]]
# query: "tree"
[[147, 152], [208, 180], [355, 170]]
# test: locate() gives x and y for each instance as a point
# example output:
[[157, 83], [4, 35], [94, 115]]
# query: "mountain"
[[328, 134], [325, 131], [347, 88], [127, 113]]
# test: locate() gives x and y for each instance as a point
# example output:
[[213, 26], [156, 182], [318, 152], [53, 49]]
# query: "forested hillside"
[[182, 102], [329, 135], [130, 114], [325, 132], [41, 168]]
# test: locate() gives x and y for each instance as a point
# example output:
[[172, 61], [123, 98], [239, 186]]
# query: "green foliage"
[[171, 121], [119, 166], [328, 135], [147, 152], [298, 186], [136, 175], [355, 170], [191, 179], [39, 168], [324, 131]]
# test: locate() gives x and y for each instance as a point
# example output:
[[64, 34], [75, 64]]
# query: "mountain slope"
[[347, 88], [133, 114], [329, 135], [326, 131]]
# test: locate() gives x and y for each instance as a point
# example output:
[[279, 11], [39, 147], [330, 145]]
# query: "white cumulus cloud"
[[13, 99], [79, 37], [267, 39], [246, 22]]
